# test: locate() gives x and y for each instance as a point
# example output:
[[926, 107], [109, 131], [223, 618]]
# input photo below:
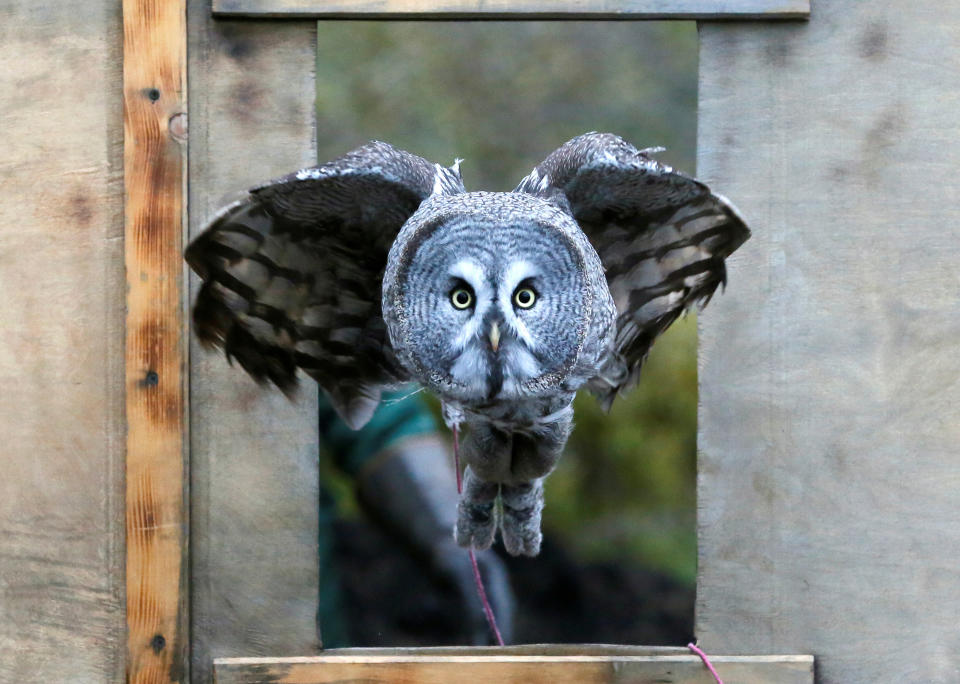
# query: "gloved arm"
[[406, 482], [411, 489]]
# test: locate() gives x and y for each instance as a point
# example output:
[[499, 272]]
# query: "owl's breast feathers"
[[530, 415]]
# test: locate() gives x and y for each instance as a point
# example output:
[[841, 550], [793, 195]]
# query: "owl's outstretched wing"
[[662, 237], [292, 273]]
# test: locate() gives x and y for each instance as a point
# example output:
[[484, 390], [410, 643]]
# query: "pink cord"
[[456, 457], [487, 610], [706, 661]]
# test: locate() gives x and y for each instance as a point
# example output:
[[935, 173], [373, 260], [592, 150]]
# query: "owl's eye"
[[524, 297], [461, 298]]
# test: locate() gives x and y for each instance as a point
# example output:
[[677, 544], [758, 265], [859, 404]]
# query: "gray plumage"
[[379, 267]]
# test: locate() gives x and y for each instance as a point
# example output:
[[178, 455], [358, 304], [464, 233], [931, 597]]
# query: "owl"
[[379, 268]]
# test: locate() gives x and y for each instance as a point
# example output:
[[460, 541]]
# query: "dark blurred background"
[[619, 557]]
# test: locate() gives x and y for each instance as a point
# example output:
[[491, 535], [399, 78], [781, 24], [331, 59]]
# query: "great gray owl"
[[378, 268]]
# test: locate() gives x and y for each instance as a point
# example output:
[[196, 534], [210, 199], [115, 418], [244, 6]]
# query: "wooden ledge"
[[516, 9], [550, 664]]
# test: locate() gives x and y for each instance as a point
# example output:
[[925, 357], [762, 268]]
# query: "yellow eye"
[[524, 297], [461, 298]]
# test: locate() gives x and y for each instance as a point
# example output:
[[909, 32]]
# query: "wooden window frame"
[[157, 341], [515, 9], [584, 664]]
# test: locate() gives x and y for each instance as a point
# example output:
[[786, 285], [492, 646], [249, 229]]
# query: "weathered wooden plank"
[[61, 351], [555, 650], [830, 407], [530, 669], [254, 483], [154, 62], [506, 9]]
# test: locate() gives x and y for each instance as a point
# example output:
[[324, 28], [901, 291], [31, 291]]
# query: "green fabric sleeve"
[[401, 414], [331, 616]]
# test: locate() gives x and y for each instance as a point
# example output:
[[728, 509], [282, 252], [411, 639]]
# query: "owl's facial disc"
[[493, 308], [494, 352]]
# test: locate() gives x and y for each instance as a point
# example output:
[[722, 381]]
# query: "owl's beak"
[[494, 336]]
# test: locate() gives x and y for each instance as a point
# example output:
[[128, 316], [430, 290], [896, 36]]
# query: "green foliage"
[[627, 483], [502, 95]]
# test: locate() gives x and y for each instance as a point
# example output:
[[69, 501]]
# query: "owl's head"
[[487, 295]]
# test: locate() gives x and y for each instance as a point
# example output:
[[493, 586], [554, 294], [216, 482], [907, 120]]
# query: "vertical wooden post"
[[253, 454], [829, 393], [154, 59]]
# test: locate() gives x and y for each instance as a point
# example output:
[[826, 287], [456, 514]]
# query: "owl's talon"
[[521, 531], [477, 515], [476, 525], [522, 512]]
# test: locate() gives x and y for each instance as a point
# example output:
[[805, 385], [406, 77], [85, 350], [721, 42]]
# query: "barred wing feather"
[[662, 237], [292, 273]]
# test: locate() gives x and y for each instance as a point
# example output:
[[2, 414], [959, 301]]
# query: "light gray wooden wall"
[[61, 342], [829, 481], [830, 401], [254, 482]]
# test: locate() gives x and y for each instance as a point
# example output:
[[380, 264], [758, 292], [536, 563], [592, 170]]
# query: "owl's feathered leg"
[[476, 512], [513, 465], [520, 524], [533, 458], [489, 452]]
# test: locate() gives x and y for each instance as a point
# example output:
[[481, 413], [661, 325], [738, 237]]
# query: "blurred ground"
[[388, 601], [620, 514]]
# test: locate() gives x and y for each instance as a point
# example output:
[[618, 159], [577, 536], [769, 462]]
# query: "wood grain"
[[555, 650], [507, 9], [154, 62], [61, 350], [482, 668], [254, 454], [829, 399]]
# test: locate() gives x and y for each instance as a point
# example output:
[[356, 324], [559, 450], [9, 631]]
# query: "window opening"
[[619, 557]]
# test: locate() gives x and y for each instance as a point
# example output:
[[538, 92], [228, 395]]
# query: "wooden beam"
[[61, 351], [154, 60], [518, 9], [556, 650], [254, 454], [592, 665], [830, 407]]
